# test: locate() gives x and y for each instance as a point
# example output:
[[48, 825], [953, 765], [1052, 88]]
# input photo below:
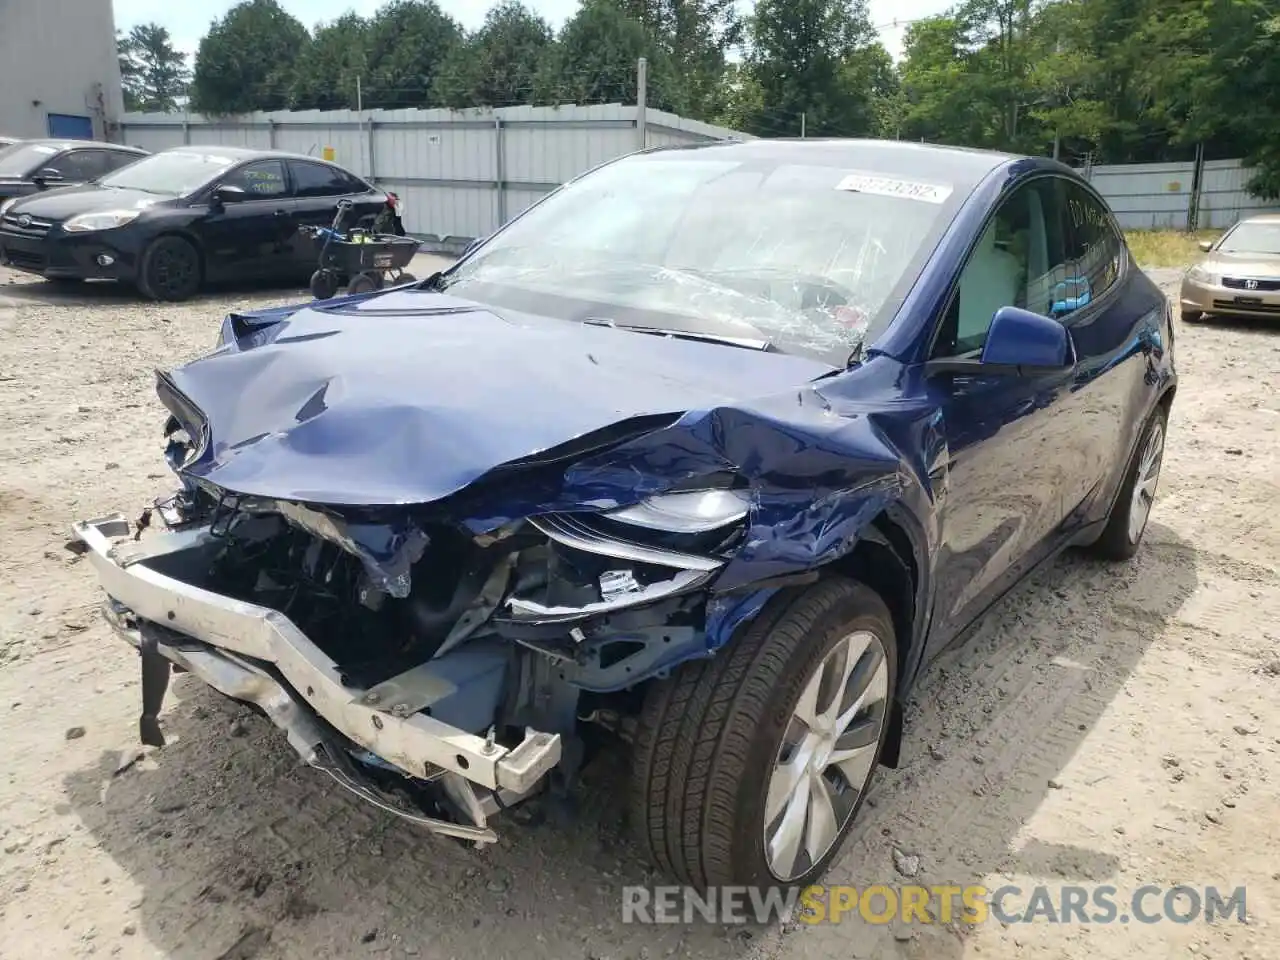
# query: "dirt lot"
[[1113, 725]]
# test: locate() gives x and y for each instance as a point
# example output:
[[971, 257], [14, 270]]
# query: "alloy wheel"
[[827, 755], [1145, 482]]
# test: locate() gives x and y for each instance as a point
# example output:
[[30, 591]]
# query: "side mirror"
[[1019, 343], [47, 175], [226, 193], [1206, 245], [1023, 339]]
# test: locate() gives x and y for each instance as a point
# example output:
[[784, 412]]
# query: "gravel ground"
[[1105, 725]]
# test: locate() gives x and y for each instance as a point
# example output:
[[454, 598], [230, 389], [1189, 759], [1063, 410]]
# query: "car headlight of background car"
[[1200, 275], [108, 220], [696, 511]]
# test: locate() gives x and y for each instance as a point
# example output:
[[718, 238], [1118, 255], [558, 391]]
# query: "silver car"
[[1239, 274]]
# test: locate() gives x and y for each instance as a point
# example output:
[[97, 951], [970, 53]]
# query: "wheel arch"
[[889, 557]]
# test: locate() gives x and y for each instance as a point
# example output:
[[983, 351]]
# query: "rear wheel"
[[750, 767], [364, 283], [170, 269], [1129, 514]]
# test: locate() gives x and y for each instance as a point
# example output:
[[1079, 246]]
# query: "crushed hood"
[[410, 396]]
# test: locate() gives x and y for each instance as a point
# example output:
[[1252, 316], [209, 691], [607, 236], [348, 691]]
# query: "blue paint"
[[407, 406]]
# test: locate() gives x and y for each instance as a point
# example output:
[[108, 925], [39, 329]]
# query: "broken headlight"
[[694, 511]]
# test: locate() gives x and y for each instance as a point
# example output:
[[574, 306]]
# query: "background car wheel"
[[1191, 316], [1129, 514], [170, 269], [364, 283], [749, 768], [324, 284], [405, 277]]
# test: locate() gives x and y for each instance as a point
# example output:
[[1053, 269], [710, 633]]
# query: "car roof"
[[247, 153], [58, 144], [958, 166]]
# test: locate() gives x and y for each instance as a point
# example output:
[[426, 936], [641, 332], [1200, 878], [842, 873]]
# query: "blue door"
[[70, 127], [1010, 452]]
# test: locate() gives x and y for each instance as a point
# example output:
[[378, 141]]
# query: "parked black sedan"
[[184, 216], [32, 166]]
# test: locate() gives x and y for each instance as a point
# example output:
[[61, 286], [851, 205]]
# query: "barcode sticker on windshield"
[[890, 187]]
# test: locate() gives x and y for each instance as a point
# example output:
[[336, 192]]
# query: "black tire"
[[364, 283], [171, 269], [1117, 541], [324, 284], [707, 733], [405, 277], [1191, 316]]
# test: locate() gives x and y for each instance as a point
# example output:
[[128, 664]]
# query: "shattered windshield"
[[803, 258]]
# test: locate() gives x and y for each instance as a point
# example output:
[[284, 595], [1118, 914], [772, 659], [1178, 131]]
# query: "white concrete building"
[[59, 75]]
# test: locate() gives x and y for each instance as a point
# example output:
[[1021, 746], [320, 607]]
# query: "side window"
[[115, 159], [1096, 247], [319, 180], [262, 178], [1020, 260], [82, 164]]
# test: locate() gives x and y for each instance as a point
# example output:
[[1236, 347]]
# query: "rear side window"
[[1095, 245], [118, 158], [321, 180]]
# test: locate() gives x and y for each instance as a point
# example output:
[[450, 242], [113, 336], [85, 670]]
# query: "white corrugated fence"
[[1147, 196]]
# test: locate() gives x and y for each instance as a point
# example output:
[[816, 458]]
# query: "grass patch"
[[1167, 248]]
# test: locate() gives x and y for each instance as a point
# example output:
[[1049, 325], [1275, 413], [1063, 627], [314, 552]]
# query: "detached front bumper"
[[257, 655]]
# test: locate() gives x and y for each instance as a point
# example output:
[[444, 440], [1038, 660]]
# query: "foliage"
[[153, 71], [245, 62], [409, 41], [325, 72], [594, 61], [499, 65]]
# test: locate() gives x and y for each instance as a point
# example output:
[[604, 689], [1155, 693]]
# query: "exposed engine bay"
[[544, 624]]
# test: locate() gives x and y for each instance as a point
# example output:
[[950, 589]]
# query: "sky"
[[188, 21]]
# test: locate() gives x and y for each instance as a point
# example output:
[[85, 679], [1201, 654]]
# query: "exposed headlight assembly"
[[697, 511], [107, 220]]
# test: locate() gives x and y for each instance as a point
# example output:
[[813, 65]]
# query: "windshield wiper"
[[749, 343]]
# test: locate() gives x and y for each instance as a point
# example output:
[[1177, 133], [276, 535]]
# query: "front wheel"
[[324, 284], [750, 767], [1191, 316], [1127, 521], [170, 269]]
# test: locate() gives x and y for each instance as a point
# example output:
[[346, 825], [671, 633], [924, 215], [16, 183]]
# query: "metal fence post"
[[500, 169], [1197, 184], [271, 133], [373, 170], [642, 100], [186, 133]]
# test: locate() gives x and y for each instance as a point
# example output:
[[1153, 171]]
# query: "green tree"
[[153, 72], [595, 58], [697, 36], [802, 55], [245, 62], [325, 72], [499, 65], [408, 42]]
